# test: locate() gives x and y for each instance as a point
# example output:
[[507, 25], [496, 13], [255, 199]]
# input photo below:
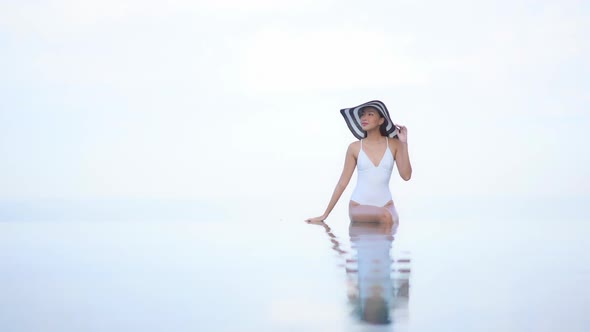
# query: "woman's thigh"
[[369, 213]]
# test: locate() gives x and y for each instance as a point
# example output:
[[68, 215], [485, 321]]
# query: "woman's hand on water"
[[316, 220]]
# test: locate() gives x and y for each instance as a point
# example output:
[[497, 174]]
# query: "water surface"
[[252, 274]]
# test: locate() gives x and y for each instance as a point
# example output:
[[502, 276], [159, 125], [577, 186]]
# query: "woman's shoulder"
[[354, 146], [394, 141]]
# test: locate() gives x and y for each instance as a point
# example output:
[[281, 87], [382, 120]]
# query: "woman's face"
[[370, 118]]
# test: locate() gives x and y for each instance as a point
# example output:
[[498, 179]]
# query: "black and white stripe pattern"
[[352, 116]]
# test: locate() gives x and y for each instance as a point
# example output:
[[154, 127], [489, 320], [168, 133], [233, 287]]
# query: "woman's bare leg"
[[369, 213]]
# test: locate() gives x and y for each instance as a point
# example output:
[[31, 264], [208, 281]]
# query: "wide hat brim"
[[352, 116]]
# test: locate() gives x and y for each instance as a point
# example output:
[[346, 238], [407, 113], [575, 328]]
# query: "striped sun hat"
[[352, 116]]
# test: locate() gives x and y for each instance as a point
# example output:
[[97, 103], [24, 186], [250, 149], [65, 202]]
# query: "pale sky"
[[240, 99]]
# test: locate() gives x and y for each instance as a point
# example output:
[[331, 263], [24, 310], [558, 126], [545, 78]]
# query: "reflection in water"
[[377, 276]]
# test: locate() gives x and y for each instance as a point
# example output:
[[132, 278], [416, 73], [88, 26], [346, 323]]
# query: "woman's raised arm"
[[402, 156]]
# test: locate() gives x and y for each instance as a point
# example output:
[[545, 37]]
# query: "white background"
[[240, 100]]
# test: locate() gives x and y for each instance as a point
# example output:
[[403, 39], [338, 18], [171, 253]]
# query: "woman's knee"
[[385, 216]]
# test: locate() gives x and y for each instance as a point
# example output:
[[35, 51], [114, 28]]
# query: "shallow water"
[[257, 275]]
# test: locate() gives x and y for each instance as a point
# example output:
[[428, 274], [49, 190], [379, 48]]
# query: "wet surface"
[[250, 275], [377, 276]]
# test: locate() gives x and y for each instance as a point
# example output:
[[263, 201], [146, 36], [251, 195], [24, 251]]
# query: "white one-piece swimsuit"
[[372, 187]]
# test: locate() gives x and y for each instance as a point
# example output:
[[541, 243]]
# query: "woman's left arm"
[[402, 157]]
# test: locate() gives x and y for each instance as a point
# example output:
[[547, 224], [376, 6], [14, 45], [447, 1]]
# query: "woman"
[[381, 144]]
